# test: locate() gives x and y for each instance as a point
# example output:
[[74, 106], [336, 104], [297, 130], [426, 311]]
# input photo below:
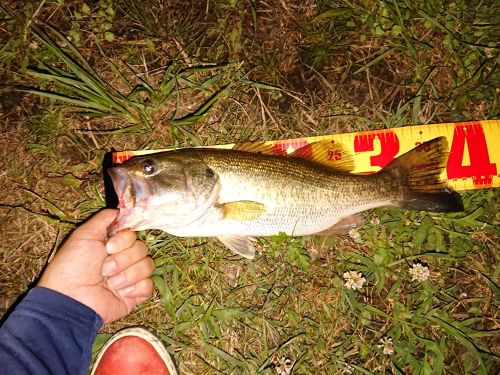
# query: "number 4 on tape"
[[480, 169]]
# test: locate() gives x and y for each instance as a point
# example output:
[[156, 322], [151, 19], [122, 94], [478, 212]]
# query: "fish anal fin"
[[239, 245], [343, 226], [327, 152], [242, 210]]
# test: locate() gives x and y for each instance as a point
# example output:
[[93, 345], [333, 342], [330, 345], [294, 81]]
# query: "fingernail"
[[126, 291], [116, 281], [109, 246], [108, 267]]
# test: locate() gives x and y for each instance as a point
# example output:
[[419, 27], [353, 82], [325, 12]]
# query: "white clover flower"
[[419, 272], [354, 280], [354, 234], [375, 220], [386, 343], [348, 369], [283, 366]]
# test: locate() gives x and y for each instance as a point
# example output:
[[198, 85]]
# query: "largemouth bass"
[[248, 191]]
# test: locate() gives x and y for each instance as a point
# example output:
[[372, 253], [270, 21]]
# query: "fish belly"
[[268, 224]]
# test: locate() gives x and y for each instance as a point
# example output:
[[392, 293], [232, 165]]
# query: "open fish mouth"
[[126, 191], [124, 187]]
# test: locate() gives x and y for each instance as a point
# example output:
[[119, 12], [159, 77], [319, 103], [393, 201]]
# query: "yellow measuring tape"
[[473, 161]]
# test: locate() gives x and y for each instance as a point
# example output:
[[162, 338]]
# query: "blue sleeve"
[[48, 333]]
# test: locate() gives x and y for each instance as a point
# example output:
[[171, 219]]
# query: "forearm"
[[48, 333]]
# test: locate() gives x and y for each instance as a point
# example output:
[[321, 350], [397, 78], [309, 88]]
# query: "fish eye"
[[209, 172], [148, 166]]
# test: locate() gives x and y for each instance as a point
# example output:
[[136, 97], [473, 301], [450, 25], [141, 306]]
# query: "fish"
[[250, 191]]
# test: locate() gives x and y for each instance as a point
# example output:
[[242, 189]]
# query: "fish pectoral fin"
[[343, 226], [239, 245], [242, 210]]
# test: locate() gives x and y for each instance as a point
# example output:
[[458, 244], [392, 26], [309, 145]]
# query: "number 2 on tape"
[[389, 146]]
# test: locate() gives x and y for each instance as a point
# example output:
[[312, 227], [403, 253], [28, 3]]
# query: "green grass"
[[82, 78]]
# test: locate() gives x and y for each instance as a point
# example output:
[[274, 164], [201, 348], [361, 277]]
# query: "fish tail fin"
[[419, 169]]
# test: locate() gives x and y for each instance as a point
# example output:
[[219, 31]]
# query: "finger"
[[132, 274], [96, 227], [132, 302], [143, 288], [124, 259], [139, 300], [120, 241]]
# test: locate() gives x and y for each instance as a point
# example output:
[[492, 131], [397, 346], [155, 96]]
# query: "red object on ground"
[[134, 351]]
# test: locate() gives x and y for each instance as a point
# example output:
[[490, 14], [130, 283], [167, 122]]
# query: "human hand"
[[111, 276]]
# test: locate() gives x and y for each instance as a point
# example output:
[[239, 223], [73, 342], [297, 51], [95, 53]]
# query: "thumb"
[[96, 227]]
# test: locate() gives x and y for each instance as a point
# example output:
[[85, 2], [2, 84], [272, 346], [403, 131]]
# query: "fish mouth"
[[123, 186], [130, 190], [133, 194]]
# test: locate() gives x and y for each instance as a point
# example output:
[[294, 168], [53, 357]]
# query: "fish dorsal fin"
[[239, 245], [257, 147], [327, 152], [343, 226], [242, 210]]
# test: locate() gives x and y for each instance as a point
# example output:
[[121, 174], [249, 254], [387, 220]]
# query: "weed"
[[161, 18], [91, 96], [100, 22], [82, 87], [400, 30]]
